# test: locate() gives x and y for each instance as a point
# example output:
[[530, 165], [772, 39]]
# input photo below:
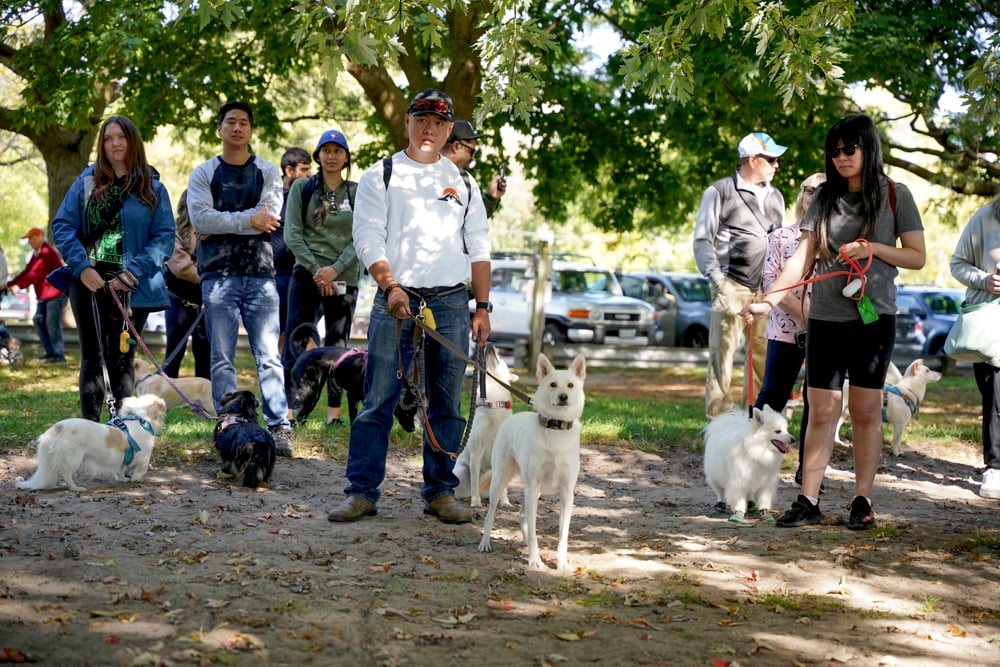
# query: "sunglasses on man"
[[433, 106], [770, 160]]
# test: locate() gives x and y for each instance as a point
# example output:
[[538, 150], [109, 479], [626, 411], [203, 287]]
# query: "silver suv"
[[584, 304]]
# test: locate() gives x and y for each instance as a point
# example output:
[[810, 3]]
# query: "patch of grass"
[[990, 541], [800, 603], [930, 601]]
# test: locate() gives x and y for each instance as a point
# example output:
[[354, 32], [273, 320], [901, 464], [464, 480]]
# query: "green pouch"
[[866, 310]]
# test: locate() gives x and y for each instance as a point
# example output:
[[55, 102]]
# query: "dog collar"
[[133, 446], [556, 424], [494, 404], [225, 421]]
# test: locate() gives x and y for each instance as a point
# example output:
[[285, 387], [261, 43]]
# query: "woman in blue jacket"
[[114, 229]]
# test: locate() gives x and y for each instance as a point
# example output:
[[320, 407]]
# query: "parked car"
[[584, 304], [18, 306], [683, 302], [935, 310]]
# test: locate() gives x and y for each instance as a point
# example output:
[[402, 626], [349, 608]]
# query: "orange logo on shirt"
[[450, 194]]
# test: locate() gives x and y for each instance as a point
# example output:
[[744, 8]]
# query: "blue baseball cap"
[[331, 137], [760, 143]]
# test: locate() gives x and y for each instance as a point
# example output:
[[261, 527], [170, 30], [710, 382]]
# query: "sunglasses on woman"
[[847, 150]]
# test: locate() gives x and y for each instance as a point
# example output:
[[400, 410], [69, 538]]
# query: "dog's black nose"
[[563, 399]]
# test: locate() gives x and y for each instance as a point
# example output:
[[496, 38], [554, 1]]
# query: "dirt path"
[[183, 570]]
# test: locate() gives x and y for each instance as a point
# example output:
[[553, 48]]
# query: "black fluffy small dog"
[[245, 447], [338, 369]]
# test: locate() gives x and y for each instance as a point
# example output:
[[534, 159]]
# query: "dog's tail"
[[46, 474], [300, 337], [261, 464]]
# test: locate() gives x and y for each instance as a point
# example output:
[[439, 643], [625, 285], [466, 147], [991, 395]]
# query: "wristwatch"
[[485, 305]]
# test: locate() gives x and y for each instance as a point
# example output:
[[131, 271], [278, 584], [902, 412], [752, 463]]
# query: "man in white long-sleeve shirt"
[[421, 231]]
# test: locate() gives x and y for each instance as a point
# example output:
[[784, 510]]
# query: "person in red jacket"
[[48, 314]]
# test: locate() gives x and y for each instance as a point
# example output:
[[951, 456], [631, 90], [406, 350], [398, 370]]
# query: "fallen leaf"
[[568, 636], [504, 605], [956, 631], [215, 604]]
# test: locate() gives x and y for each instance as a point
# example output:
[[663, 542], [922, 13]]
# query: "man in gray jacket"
[[736, 215]]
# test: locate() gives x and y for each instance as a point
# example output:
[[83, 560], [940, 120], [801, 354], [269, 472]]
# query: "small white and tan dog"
[[197, 389], [900, 399], [475, 460], [743, 460], [103, 449], [544, 447]]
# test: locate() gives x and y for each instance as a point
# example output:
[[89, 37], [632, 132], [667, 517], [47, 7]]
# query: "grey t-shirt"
[[828, 302]]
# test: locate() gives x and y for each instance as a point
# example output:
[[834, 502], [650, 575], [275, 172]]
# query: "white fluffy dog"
[[73, 444], [544, 447], [197, 389], [474, 461], [901, 399], [743, 459]]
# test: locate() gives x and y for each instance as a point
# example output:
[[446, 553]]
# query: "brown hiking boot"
[[353, 508], [448, 510]]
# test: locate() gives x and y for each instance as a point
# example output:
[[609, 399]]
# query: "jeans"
[[305, 305], [48, 324], [181, 315], [99, 326], [443, 373], [254, 300], [987, 379]]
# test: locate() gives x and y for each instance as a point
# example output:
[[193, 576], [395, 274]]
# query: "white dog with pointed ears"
[[544, 447]]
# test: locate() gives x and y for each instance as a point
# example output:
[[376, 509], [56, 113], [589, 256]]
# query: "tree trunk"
[[66, 154]]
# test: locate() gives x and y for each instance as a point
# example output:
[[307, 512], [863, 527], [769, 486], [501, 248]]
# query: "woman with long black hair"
[[850, 229], [114, 229]]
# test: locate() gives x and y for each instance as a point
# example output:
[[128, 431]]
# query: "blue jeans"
[[255, 300], [48, 324], [443, 373]]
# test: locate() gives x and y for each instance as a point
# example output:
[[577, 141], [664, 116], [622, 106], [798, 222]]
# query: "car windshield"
[[693, 289], [944, 303], [585, 282]]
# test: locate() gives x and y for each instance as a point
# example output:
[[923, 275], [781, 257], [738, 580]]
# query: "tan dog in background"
[[901, 400], [195, 388]]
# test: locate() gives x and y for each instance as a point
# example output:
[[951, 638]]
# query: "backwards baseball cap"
[[432, 100], [331, 137], [34, 231], [759, 143], [463, 131]]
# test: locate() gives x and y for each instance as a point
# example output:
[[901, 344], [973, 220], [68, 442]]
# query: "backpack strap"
[[307, 192], [892, 198]]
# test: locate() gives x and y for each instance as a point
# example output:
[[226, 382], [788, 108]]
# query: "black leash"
[[451, 347]]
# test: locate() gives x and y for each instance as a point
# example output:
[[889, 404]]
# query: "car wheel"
[[551, 335], [696, 337]]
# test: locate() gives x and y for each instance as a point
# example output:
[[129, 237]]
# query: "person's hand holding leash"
[[756, 311], [397, 301]]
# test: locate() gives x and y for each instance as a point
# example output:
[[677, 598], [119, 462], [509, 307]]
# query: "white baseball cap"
[[759, 143]]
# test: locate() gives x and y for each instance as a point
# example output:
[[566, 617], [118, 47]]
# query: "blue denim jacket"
[[147, 238]]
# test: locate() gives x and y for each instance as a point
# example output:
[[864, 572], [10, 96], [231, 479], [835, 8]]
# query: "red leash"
[[855, 271]]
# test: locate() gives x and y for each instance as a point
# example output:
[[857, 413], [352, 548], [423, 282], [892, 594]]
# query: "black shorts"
[[839, 350]]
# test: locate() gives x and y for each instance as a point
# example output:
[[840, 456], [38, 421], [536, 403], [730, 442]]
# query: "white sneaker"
[[991, 484]]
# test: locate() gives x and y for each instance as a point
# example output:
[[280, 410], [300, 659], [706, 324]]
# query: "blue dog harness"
[[133, 446], [911, 403]]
